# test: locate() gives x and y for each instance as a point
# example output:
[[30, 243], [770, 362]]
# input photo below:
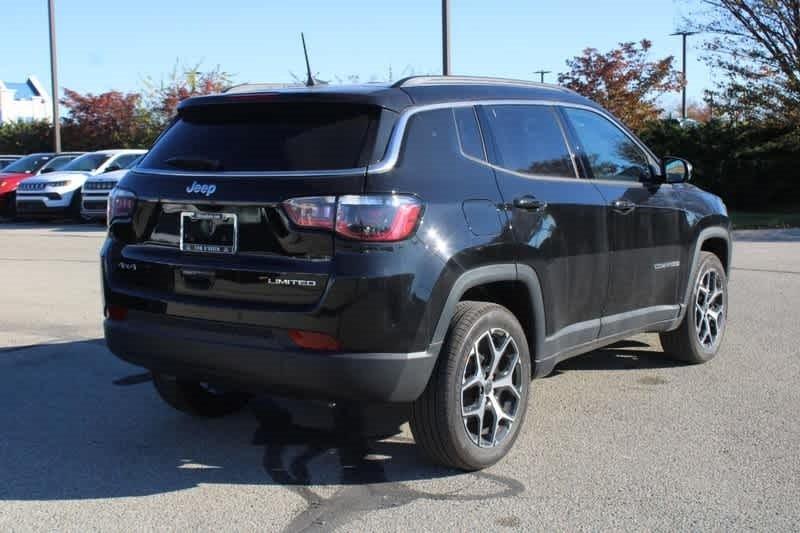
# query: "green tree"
[[24, 137]]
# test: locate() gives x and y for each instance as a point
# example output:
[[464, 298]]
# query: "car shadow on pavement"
[[76, 423], [624, 355]]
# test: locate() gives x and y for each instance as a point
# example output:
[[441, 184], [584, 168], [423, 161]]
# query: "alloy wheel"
[[491, 388], [709, 309]]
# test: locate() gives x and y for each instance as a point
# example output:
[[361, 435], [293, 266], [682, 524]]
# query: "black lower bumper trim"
[[186, 349], [38, 207]]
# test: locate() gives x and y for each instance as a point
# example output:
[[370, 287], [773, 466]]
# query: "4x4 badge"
[[197, 188]]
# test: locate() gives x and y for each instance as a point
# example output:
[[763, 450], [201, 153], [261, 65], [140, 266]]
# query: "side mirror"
[[676, 170], [112, 168], [47, 170]]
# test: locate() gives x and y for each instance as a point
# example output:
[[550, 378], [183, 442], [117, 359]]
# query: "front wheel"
[[698, 338], [472, 410], [198, 399]]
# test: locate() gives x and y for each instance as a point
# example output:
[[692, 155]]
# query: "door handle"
[[623, 206], [529, 203]]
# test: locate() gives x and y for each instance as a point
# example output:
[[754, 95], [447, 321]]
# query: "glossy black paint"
[[589, 269]]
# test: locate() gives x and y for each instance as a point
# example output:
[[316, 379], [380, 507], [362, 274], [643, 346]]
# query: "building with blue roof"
[[25, 100]]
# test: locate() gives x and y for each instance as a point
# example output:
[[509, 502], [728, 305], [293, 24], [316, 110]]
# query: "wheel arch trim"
[[715, 232], [490, 274]]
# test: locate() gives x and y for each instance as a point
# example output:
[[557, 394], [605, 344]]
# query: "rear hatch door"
[[209, 221]]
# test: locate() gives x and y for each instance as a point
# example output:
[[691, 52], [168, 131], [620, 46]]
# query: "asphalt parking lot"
[[618, 439]]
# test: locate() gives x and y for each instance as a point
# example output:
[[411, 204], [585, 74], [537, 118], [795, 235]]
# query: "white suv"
[[59, 193], [94, 194]]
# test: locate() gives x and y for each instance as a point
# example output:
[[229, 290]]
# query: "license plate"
[[209, 233]]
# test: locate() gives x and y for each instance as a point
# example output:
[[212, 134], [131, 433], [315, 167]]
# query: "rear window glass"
[[265, 137]]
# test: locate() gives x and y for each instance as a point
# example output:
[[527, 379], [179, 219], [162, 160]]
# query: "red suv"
[[21, 169]]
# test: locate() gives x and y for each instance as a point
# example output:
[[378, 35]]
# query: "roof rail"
[[420, 81]]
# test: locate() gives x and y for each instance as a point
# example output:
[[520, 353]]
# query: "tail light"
[[312, 212], [120, 204], [375, 218], [116, 312]]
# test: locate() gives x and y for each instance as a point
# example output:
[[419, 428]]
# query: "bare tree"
[[756, 44]]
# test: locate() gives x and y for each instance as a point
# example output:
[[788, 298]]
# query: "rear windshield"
[[266, 137]]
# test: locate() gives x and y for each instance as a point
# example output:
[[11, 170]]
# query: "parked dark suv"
[[439, 241]]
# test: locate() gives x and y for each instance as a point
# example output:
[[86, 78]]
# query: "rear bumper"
[[261, 361]]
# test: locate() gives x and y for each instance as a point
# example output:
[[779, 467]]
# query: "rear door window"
[[266, 137], [528, 139]]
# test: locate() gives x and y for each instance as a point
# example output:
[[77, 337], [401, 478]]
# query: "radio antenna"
[[310, 80]]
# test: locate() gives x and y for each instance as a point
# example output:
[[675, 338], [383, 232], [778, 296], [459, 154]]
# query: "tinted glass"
[[528, 139], [265, 137], [86, 162], [611, 153], [30, 163], [124, 161], [135, 161], [57, 163], [469, 134]]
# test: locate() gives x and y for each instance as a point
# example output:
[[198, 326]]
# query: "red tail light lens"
[[120, 205], [116, 312], [377, 218], [312, 212], [311, 340]]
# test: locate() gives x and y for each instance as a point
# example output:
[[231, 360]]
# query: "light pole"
[[684, 35], [446, 37], [54, 78], [541, 74]]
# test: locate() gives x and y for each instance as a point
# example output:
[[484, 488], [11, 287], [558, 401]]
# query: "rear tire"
[[194, 398], [698, 338], [472, 410]]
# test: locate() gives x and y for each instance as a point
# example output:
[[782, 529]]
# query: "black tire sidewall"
[[468, 451], [702, 353]]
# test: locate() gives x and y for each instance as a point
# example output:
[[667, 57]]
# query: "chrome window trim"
[[394, 147]]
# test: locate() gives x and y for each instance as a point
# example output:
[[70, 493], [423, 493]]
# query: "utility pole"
[[541, 74], [446, 37], [54, 78], [684, 35]]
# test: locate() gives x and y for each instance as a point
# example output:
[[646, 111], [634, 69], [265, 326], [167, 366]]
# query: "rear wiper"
[[194, 163]]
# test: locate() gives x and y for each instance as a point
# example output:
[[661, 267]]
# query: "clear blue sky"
[[104, 45]]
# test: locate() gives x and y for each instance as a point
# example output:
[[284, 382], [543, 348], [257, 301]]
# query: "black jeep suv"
[[439, 241]]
